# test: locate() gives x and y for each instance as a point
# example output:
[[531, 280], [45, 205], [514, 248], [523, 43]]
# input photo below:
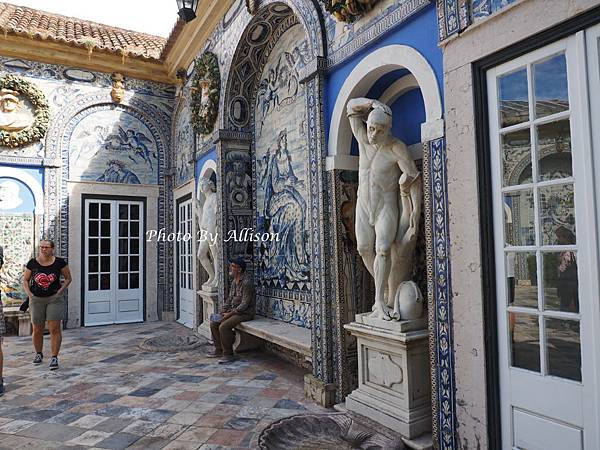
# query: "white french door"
[[185, 279], [113, 261], [546, 249]]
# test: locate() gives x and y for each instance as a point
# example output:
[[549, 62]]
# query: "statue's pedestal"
[[209, 306], [394, 387]]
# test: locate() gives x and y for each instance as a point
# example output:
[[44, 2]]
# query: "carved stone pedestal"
[[393, 374], [209, 306]]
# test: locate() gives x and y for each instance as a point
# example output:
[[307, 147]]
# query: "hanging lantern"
[[187, 9]]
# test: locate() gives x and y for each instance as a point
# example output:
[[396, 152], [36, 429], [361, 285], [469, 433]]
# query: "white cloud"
[[148, 16]]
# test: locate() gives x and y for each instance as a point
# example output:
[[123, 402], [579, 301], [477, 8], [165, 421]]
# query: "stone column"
[[232, 214], [320, 385]]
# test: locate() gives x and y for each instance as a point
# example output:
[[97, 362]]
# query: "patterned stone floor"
[[110, 394]]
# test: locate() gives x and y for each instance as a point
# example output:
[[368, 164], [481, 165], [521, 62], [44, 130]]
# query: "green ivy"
[[37, 130], [348, 10], [207, 68]]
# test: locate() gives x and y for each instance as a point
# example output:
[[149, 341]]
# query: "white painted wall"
[[516, 22]]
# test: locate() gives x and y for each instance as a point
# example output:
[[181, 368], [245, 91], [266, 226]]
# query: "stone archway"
[[59, 213], [370, 69], [56, 224], [236, 148], [22, 206], [259, 36]]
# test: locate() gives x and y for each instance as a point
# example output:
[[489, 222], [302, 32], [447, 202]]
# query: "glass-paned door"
[[113, 261], [542, 235], [185, 287]]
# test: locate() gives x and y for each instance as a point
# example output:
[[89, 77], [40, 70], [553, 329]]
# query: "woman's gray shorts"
[[46, 308]]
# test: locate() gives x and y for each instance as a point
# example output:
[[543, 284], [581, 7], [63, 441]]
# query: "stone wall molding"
[[369, 70]]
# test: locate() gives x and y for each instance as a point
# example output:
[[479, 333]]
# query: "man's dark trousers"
[[222, 332]]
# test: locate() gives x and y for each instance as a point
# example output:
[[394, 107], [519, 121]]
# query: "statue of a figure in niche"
[[388, 209], [206, 101], [206, 214], [14, 115]]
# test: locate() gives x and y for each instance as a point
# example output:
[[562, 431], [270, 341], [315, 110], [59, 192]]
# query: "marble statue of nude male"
[[206, 211], [388, 205]]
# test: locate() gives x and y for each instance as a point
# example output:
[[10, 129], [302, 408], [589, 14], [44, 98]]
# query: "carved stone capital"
[[232, 135]]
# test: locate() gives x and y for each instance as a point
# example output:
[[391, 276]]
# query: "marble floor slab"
[[108, 393]]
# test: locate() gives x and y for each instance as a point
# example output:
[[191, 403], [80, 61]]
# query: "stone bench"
[[23, 318], [249, 336]]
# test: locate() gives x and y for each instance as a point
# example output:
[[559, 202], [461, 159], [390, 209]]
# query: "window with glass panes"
[[540, 242]]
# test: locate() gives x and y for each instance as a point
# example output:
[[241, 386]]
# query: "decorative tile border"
[[439, 295], [453, 17], [251, 57], [322, 333], [370, 33], [84, 79]]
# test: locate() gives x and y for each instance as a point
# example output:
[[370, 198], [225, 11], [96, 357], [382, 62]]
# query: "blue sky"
[[550, 77]]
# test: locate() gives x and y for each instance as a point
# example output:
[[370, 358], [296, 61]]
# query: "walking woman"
[[42, 284]]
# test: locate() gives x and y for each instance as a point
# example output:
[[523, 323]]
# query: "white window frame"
[[583, 181]]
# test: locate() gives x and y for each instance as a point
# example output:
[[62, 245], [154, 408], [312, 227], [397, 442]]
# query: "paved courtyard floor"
[[110, 394]]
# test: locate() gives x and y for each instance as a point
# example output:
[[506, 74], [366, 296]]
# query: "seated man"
[[239, 307]]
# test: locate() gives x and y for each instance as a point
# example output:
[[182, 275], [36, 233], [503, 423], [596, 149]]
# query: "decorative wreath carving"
[[206, 88], [348, 10], [12, 85]]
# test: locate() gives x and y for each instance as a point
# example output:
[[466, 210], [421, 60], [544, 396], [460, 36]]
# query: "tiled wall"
[[282, 264]]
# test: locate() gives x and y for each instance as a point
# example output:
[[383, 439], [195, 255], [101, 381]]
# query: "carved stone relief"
[[206, 89], [118, 89], [383, 370], [348, 10], [24, 112]]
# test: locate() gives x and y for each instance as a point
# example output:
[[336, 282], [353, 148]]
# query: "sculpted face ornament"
[[388, 210], [118, 89], [24, 112], [14, 116]]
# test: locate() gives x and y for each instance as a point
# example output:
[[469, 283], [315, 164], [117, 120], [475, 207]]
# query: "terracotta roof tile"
[[77, 32]]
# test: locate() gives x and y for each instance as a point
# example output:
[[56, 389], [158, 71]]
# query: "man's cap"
[[239, 261]]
